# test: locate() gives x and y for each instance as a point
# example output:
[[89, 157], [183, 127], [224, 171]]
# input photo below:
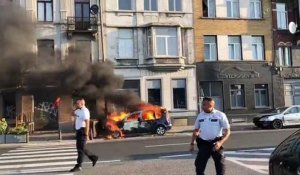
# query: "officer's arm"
[[225, 136], [194, 136], [87, 127]]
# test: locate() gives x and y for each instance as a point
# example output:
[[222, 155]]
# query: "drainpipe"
[[101, 30]]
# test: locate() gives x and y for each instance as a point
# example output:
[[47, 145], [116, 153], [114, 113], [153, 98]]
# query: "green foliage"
[[3, 126], [18, 130]]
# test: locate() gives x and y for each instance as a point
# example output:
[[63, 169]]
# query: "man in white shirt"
[[212, 130], [82, 126]]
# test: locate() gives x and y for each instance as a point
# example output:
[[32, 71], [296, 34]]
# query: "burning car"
[[149, 119]]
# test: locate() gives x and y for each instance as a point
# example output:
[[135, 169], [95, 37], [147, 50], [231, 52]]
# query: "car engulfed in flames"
[[147, 119]]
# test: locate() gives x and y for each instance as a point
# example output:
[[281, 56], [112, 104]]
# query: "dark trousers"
[[206, 150], [80, 145]]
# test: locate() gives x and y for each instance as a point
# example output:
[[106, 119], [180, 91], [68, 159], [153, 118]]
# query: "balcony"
[[165, 64], [82, 25]]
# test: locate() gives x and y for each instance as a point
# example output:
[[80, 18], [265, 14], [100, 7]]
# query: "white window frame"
[[150, 6], [257, 4], [285, 56], [126, 38], [211, 14], [211, 50], [166, 38], [174, 6], [131, 3], [281, 14], [242, 90], [236, 47], [44, 17], [260, 97], [232, 10], [258, 47]]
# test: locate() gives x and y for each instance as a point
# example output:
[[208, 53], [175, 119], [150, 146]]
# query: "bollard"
[[27, 137]]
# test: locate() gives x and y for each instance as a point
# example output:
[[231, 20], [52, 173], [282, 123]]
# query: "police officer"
[[82, 122], [212, 130]]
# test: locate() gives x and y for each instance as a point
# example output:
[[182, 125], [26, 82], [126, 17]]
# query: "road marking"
[[32, 156], [258, 168], [250, 159], [38, 159], [174, 156], [39, 152], [44, 170], [246, 153], [166, 145], [39, 149]]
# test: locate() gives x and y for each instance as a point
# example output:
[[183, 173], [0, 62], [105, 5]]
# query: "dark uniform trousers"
[[80, 145], [206, 150]]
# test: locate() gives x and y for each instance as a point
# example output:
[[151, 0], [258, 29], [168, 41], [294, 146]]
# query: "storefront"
[[240, 89]]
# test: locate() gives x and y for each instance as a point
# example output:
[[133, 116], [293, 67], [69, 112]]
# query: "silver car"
[[279, 118]]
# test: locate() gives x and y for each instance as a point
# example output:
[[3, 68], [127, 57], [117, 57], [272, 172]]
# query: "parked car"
[[279, 118], [285, 159], [144, 122]]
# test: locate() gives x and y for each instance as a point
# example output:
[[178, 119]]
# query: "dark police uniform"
[[82, 115], [211, 127]]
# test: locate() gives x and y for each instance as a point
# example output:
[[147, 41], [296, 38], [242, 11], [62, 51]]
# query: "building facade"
[[287, 49], [60, 25], [151, 43], [233, 48]]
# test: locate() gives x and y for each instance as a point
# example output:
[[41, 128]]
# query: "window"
[[125, 43], [46, 51], [44, 11], [175, 5], [179, 94], [149, 42], [209, 8], [233, 9], [293, 110], [281, 16], [125, 5], [261, 95], [150, 5], [166, 42], [255, 9], [257, 48], [234, 45], [237, 96], [284, 56], [154, 92], [210, 48], [133, 85]]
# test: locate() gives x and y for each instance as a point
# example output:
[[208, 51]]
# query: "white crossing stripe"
[[255, 159], [39, 152], [173, 156], [36, 156], [42, 170], [39, 149], [38, 159]]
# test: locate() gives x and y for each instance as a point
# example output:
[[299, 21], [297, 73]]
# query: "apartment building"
[[233, 50], [287, 49], [151, 43]]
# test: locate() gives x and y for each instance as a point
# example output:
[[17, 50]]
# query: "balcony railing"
[[81, 24]]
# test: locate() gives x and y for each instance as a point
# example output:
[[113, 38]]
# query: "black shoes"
[[94, 160], [76, 169]]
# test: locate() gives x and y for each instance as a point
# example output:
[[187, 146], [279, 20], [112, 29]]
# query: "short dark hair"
[[208, 99]]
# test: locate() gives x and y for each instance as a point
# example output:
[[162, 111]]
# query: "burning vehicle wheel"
[[116, 135], [160, 130]]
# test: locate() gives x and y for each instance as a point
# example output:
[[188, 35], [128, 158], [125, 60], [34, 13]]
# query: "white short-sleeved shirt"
[[81, 115], [211, 125]]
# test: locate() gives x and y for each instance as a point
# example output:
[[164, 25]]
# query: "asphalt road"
[[154, 147]]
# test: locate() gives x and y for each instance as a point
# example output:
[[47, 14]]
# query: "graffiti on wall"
[[48, 107]]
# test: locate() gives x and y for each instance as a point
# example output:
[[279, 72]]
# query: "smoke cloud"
[[21, 67]]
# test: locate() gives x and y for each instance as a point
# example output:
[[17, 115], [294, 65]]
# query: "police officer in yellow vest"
[[212, 130]]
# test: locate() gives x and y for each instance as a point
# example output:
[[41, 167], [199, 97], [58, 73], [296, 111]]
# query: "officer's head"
[[80, 102], [208, 104]]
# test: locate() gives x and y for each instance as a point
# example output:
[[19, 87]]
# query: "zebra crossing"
[[255, 159], [51, 159]]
